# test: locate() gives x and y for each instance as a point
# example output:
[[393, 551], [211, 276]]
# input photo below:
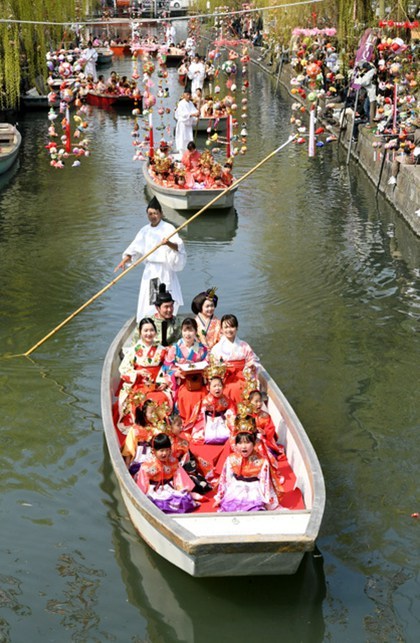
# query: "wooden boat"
[[36, 98], [216, 124], [224, 544], [173, 55], [10, 142], [122, 49], [108, 101], [187, 199], [105, 55], [140, 48]]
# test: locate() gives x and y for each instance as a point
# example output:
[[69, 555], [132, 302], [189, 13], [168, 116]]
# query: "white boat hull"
[[9, 146], [188, 199], [225, 544]]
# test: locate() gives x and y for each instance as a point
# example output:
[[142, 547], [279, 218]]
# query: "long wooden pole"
[[141, 259]]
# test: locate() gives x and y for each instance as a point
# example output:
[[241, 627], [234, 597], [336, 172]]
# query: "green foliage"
[[23, 46]]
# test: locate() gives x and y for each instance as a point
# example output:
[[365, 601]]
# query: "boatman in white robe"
[[196, 73], [185, 114], [90, 55], [161, 266]]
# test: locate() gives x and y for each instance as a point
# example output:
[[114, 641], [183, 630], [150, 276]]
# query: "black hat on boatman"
[[154, 204], [198, 301], [163, 296]]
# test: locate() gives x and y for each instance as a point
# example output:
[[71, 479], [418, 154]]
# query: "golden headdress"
[[159, 419], [251, 383], [244, 422], [214, 369]]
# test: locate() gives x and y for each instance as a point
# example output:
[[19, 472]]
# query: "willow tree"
[[24, 40]]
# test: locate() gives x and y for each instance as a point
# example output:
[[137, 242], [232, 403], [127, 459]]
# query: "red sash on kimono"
[[234, 382]]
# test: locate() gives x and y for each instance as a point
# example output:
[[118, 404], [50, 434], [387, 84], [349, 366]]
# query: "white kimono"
[[196, 73], [184, 124], [160, 267], [91, 56]]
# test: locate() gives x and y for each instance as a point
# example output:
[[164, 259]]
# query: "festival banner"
[[364, 52]]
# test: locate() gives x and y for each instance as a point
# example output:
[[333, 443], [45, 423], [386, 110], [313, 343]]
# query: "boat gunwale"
[[13, 152], [168, 525]]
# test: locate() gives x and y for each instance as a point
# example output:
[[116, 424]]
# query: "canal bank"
[[405, 194]]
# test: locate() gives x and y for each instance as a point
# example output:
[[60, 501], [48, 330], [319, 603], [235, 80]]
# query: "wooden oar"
[[141, 259]]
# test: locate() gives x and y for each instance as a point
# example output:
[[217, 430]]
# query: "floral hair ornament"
[[198, 301]]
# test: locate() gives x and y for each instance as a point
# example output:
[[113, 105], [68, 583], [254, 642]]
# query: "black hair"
[[189, 322], [191, 146], [198, 301], [161, 441], [231, 320], [140, 413], [249, 437], [144, 321], [255, 392], [215, 377]]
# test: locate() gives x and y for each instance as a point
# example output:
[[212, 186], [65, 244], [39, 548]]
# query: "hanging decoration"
[[73, 142]]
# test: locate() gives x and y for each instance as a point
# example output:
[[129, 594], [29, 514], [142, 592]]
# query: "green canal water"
[[325, 282]]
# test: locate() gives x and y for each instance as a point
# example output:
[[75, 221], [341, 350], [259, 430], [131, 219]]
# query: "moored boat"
[[122, 49], [114, 101], [193, 199], [105, 55], [173, 55], [224, 544], [10, 142], [36, 98], [215, 124]]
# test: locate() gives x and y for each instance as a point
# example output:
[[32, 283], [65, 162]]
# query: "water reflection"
[[179, 608], [212, 225]]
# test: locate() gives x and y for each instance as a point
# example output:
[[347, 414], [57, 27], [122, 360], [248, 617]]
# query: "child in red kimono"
[[245, 483], [164, 481], [265, 426], [180, 440], [211, 426], [136, 447]]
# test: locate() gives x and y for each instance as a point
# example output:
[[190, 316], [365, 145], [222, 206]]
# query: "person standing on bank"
[[161, 266]]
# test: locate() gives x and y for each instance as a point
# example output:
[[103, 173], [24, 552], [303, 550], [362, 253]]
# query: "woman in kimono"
[[187, 387], [209, 326], [245, 483], [164, 481], [163, 264], [141, 375], [237, 355]]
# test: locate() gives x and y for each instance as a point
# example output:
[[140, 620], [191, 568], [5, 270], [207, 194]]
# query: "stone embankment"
[[405, 194]]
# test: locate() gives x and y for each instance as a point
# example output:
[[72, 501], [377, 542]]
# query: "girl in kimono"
[[187, 387], [180, 440], [164, 481], [212, 424], [245, 483], [136, 448], [237, 355], [208, 326], [141, 374], [265, 425]]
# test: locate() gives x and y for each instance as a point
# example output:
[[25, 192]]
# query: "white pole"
[[311, 147]]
